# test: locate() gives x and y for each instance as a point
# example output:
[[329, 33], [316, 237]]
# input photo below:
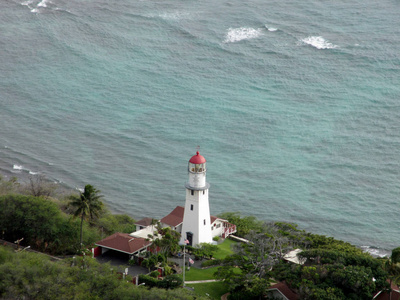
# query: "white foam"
[[34, 10], [272, 29], [243, 33], [27, 3], [43, 3], [318, 42], [174, 15], [33, 173], [18, 167], [376, 252]]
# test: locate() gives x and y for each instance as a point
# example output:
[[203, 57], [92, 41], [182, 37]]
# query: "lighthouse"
[[196, 227]]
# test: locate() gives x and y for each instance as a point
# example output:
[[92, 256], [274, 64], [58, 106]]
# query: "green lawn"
[[214, 289], [224, 249], [199, 274]]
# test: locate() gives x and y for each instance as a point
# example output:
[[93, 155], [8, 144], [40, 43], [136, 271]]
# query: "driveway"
[[119, 261]]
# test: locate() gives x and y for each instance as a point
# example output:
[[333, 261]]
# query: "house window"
[[192, 192], [219, 225], [191, 206], [212, 227]]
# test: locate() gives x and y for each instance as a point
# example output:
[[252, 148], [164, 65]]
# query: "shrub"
[[154, 274], [170, 282], [211, 262], [148, 280]]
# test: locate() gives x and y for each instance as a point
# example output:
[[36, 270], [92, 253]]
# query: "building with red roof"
[[123, 242], [193, 221], [282, 291]]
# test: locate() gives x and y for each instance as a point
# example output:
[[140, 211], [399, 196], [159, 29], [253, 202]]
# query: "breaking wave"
[[243, 33], [318, 42]]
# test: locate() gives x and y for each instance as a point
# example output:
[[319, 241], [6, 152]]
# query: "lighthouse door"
[[189, 237]]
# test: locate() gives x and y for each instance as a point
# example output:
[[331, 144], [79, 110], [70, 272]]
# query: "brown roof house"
[[385, 295], [123, 242], [143, 223], [219, 227], [282, 291]]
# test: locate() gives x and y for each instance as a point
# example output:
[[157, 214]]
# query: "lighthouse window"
[[192, 192], [191, 206], [204, 192], [204, 221]]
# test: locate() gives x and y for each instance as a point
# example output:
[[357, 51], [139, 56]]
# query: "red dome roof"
[[197, 159]]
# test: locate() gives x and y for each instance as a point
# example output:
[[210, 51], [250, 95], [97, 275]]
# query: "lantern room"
[[197, 164], [197, 173]]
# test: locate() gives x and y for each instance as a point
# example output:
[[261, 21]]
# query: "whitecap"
[[243, 33], [34, 10], [33, 173], [18, 167], [318, 42], [27, 3], [272, 29], [42, 3]]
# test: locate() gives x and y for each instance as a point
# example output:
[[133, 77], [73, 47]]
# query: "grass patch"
[[199, 274], [224, 249], [214, 289]]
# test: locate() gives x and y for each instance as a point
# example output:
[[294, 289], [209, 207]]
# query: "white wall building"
[[196, 227]]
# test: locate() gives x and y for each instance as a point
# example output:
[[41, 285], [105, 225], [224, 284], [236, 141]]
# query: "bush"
[[154, 274], [169, 282], [211, 262], [148, 280]]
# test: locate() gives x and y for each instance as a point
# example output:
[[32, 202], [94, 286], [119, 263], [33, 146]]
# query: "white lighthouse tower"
[[196, 227]]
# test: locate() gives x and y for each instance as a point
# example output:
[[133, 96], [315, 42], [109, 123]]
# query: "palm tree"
[[88, 205]]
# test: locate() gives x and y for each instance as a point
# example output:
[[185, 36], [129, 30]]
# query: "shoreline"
[[23, 176]]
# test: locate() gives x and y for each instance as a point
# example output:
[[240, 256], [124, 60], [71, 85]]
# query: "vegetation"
[[195, 274], [25, 275], [213, 290], [38, 223], [87, 205], [244, 224], [224, 249], [165, 241], [29, 214], [46, 224], [334, 269]]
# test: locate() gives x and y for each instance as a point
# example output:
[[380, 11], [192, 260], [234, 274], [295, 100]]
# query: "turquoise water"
[[295, 106]]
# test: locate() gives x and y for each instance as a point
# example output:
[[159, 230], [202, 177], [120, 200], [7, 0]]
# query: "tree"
[[392, 266], [39, 187], [88, 205], [243, 224], [9, 186], [38, 221], [165, 240]]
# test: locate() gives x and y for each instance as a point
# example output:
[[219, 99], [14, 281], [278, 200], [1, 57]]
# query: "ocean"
[[294, 104]]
